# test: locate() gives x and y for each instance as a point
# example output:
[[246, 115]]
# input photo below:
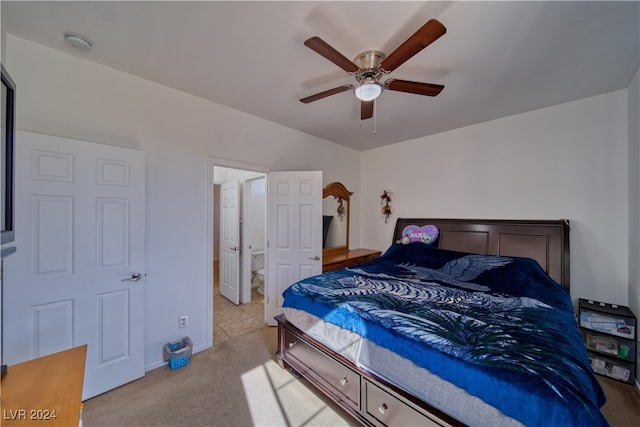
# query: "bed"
[[477, 328]]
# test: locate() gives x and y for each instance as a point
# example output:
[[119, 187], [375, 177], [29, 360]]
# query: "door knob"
[[134, 278], [315, 258]]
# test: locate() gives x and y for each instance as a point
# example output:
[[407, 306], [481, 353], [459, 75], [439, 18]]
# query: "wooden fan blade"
[[366, 110], [326, 93], [428, 89], [430, 32], [324, 49]]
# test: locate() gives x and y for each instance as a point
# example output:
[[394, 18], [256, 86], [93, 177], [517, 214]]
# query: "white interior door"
[[230, 241], [78, 275], [294, 230], [253, 231]]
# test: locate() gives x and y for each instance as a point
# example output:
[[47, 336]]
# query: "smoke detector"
[[78, 41]]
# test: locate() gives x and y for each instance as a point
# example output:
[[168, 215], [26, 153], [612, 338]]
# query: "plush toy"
[[425, 234]]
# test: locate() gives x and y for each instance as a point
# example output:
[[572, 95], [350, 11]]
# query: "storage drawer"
[[359, 260], [342, 380], [610, 345], [612, 324], [351, 262], [370, 258], [333, 266], [611, 367], [391, 411]]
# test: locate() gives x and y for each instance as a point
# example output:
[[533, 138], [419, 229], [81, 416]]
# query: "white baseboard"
[[154, 365], [159, 363]]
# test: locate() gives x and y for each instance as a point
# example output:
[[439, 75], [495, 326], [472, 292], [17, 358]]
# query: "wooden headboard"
[[546, 241]]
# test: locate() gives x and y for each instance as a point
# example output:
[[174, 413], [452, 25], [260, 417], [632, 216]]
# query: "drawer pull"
[[292, 343], [344, 380], [382, 408]]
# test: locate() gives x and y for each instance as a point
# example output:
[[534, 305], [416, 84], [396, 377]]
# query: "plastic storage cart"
[[609, 333]]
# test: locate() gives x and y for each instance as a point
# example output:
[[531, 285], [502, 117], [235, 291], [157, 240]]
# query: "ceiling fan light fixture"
[[368, 90]]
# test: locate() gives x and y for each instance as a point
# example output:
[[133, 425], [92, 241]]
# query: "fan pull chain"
[[375, 118]]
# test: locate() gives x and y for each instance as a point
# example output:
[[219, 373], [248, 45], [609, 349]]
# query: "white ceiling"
[[496, 59]]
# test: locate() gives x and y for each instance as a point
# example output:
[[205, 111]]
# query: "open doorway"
[[239, 243], [286, 261]]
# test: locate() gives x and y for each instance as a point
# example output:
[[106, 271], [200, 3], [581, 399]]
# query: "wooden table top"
[[46, 391]]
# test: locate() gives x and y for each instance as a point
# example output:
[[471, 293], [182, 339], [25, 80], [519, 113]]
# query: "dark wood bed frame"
[[373, 401]]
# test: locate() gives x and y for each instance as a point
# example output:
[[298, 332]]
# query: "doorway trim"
[[213, 161]]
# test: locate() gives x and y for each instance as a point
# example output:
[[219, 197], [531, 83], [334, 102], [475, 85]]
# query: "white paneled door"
[[79, 272], [294, 247], [230, 241]]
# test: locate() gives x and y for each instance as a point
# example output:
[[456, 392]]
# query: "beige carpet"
[[238, 383], [623, 403]]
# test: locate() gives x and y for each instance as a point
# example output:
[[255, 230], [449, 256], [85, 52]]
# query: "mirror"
[[335, 213]]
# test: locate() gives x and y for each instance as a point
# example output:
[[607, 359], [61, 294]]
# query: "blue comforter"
[[498, 327]]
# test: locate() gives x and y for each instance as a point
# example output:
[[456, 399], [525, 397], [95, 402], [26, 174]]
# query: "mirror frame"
[[339, 190]]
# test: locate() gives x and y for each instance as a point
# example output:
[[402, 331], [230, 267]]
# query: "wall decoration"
[[385, 200]]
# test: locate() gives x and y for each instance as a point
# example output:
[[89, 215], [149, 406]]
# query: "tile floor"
[[230, 320]]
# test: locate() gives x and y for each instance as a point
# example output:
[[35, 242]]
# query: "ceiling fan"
[[369, 66]]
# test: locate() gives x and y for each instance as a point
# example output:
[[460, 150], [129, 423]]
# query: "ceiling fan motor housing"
[[369, 64]]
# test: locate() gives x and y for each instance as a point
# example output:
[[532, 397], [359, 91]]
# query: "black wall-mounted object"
[[7, 235]]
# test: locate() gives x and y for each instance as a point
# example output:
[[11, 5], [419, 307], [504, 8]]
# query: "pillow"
[[414, 233]]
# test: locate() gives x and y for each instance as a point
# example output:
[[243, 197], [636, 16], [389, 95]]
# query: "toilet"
[[257, 270], [260, 274]]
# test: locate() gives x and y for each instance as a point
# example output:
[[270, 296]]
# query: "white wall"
[[566, 161], [3, 43], [63, 95]]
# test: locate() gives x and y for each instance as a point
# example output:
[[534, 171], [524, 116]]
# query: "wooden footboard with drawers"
[[369, 399]]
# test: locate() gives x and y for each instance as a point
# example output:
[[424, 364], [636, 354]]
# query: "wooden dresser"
[[46, 391], [336, 260]]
